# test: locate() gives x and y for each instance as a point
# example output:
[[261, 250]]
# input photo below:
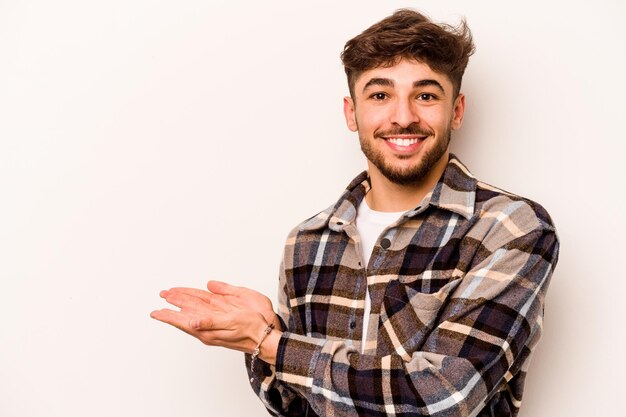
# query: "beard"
[[412, 174]]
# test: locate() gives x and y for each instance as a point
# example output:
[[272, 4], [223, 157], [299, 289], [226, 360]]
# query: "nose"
[[404, 113]]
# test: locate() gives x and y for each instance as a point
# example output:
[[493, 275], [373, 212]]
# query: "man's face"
[[404, 115]]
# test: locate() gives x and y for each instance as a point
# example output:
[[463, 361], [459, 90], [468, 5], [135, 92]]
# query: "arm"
[[481, 337]]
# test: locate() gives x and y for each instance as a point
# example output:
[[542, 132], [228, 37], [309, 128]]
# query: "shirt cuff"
[[296, 359]]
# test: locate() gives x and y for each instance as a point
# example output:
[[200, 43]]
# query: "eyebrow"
[[383, 82], [425, 83], [386, 82]]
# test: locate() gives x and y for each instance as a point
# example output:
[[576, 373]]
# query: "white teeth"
[[403, 142]]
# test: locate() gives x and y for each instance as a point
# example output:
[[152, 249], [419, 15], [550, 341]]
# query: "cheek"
[[437, 119], [370, 119]]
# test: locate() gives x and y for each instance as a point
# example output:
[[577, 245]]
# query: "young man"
[[421, 290]]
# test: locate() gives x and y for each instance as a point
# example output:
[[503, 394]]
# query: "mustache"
[[412, 129]]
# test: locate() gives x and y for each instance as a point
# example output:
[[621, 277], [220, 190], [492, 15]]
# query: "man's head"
[[405, 75], [408, 34]]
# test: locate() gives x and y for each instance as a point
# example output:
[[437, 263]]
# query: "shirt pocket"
[[406, 296]]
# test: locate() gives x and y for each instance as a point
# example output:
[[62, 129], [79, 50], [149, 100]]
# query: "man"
[[421, 290]]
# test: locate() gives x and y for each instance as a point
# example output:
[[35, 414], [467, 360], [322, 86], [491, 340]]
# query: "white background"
[[150, 144]]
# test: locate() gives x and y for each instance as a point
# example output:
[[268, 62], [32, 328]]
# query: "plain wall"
[[151, 144]]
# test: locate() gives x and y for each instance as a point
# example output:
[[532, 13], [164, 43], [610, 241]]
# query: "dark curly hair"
[[408, 34]]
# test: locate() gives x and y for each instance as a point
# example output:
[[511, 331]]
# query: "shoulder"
[[482, 203], [501, 216], [491, 200]]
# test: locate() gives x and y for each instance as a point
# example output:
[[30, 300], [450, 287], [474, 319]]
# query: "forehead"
[[403, 73]]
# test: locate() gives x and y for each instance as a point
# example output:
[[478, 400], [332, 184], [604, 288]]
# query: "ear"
[[458, 112], [348, 112]]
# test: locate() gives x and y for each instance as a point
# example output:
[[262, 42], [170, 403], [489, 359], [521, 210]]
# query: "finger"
[[202, 294], [212, 322], [224, 303], [219, 287], [217, 301], [184, 301], [173, 318]]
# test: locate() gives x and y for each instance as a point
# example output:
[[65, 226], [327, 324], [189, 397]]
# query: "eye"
[[379, 96], [426, 97]]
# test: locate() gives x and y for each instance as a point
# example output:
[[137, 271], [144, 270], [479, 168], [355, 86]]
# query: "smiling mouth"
[[404, 144], [404, 141]]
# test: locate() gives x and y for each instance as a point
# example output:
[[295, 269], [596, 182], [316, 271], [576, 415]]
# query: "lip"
[[405, 137]]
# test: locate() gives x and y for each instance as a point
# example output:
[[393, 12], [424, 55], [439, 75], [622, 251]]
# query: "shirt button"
[[353, 324], [385, 243]]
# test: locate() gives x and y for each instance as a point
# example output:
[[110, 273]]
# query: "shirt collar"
[[455, 192]]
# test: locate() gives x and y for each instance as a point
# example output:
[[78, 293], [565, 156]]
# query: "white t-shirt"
[[370, 224]]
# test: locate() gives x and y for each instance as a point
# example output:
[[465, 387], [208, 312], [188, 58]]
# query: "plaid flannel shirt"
[[457, 289]]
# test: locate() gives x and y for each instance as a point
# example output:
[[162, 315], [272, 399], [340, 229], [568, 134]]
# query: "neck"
[[387, 196]]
